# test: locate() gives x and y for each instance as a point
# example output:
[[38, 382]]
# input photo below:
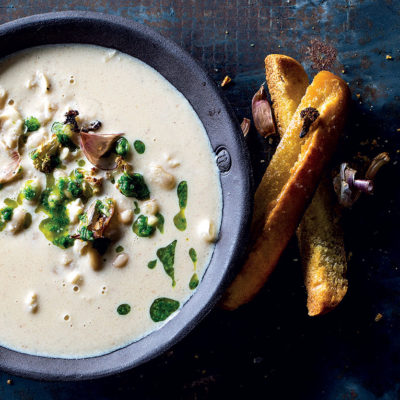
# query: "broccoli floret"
[[86, 234], [31, 190], [64, 241], [142, 228], [75, 188], [105, 207], [32, 124], [6, 213], [45, 157], [133, 186], [122, 147], [64, 134]]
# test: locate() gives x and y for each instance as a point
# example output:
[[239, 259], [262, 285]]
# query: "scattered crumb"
[[322, 55], [343, 71], [378, 317], [9, 382], [358, 95], [252, 44], [226, 32], [226, 81], [389, 57]]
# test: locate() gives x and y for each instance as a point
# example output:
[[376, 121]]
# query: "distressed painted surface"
[[271, 347]]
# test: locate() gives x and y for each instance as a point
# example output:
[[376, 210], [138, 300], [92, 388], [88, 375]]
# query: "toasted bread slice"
[[319, 234], [322, 252], [287, 82], [289, 183]]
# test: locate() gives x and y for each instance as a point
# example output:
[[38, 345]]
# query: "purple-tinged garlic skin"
[[262, 114], [348, 188], [96, 145], [10, 171], [245, 125]]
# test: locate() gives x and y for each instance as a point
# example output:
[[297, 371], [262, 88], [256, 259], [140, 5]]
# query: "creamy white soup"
[[110, 200]]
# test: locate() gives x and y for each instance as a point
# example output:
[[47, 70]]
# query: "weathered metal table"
[[270, 348]]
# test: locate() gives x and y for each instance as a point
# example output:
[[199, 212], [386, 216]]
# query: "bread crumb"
[[9, 382], [226, 81], [389, 57], [378, 317]]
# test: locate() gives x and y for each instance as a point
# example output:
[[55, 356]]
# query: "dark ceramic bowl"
[[232, 157]]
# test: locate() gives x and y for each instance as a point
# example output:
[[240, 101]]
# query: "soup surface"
[[103, 237]]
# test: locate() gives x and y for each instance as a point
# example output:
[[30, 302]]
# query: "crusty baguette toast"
[[322, 252], [289, 183], [319, 234], [287, 83]]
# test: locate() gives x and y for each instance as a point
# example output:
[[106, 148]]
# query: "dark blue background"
[[271, 348]]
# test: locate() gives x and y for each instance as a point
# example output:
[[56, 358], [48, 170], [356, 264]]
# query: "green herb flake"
[[160, 222], [81, 163], [123, 309], [162, 308], [142, 228], [167, 257], [139, 146], [32, 124], [193, 255], [180, 219], [122, 147], [152, 264], [194, 282], [119, 249], [137, 208]]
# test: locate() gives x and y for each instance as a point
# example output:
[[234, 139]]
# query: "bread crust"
[[319, 234], [287, 82], [322, 252], [293, 173]]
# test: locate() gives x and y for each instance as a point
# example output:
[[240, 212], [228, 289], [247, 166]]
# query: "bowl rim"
[[233, 160]]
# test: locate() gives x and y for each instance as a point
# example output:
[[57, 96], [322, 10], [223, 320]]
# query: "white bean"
[[160, 177], [207, 231], [125, 217], [121, 260], [32, 302], [18, 219], [150, 207]]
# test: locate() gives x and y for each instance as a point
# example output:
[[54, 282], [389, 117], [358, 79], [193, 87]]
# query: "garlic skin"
[[262, 114]]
